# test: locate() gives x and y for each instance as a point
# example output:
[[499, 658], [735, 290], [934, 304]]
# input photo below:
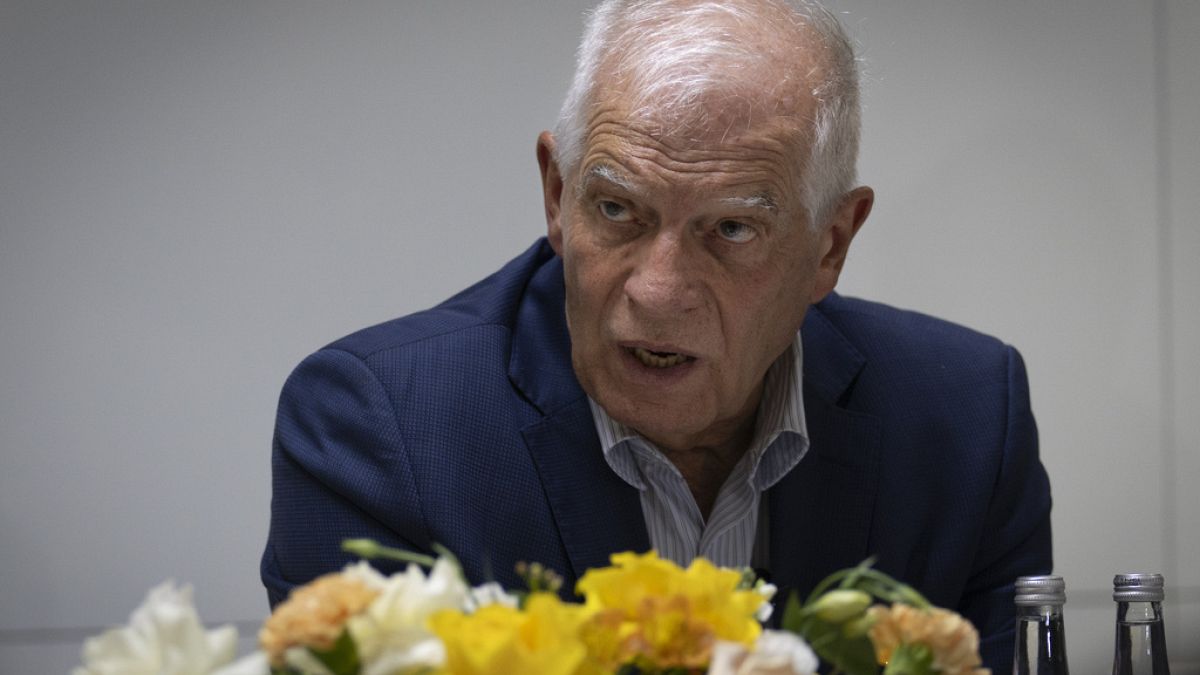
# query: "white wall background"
[[195, 195]]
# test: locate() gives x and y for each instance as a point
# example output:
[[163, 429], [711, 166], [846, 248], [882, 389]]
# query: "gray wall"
[[194, 195]]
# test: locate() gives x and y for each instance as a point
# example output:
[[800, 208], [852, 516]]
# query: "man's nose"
[[666, 276]]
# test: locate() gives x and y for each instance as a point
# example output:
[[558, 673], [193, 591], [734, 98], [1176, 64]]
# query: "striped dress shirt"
[[735, 533]]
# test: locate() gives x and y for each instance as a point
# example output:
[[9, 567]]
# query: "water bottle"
[[1141, 643], [1041, 647]]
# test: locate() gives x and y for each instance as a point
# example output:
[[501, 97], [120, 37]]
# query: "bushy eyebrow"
[[762, 200], [608, 174]]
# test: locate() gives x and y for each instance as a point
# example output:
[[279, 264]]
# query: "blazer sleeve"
[[1017, 528], [339, 470]]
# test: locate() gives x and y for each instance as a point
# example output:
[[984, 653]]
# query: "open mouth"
[[655, 359]]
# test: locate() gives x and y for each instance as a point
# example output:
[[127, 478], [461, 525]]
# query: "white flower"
[[255, 663], [490, 593], [767, 591], [164, 637], [774, 653], [391, 635]]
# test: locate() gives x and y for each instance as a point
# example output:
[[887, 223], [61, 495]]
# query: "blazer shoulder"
[[903, 355], [490, 302], [882, 331]]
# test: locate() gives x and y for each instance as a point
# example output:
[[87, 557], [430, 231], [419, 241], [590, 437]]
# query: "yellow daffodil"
[[498, 639], [652, 613]]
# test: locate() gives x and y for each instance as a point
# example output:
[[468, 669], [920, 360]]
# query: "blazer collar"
[[831, 361], [820, 513], [596, 512], [540, 365]]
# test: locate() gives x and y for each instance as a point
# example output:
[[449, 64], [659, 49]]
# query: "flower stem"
[[369, 549], [863, 577]]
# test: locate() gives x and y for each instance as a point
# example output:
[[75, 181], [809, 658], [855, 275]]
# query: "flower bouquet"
[[641, 614]]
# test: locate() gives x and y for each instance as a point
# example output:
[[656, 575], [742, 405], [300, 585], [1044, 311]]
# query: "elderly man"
[[670, 368]]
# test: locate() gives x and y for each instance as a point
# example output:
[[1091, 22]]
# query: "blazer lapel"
[[820, 513], [596, 512]]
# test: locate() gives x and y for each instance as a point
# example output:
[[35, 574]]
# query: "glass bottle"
[[1141, 643], [1041, 647]]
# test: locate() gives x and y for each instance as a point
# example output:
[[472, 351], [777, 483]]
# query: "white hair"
[[674, 57]]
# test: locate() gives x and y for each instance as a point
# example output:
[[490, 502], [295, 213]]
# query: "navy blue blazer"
[[464, 425]]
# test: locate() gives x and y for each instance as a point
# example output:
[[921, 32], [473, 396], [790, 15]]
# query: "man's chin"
[[666, 426]]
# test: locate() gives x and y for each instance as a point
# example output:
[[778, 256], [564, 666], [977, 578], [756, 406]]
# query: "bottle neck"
[[1038, 612], [1141, 645], [1139, 612], [1040, 647]]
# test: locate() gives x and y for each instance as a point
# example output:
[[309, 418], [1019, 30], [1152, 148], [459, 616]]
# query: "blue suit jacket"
[[464, 425]]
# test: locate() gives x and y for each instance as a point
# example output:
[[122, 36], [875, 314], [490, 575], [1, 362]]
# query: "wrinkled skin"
[[689, 265]]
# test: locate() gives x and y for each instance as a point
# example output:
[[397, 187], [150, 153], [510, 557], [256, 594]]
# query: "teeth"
[[659, 360]]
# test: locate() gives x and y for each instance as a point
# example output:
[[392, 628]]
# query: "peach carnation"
[[951, 639], [314, 615]]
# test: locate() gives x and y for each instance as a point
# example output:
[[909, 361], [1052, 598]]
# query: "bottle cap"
[[1041, 590], [1138, 588]]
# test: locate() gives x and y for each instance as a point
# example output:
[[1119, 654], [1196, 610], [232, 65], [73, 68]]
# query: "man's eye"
[[738, 233], [615, 212]]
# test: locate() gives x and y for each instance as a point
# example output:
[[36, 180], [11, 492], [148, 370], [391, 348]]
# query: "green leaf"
[[839, 577], [793, 614], [341, 658], [910, 660], [851, 655], [850, 651]]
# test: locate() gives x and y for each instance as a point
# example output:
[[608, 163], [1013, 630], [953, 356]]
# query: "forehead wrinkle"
[[774, 136], [755, 168], [730, 162]]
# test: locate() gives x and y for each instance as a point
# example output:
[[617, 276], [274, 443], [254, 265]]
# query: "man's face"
[[688, 269]]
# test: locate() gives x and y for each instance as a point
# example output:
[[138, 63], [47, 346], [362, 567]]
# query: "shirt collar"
[[780, 418]]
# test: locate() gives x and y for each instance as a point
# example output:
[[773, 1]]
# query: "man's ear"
[[552, 188], [835, 239]]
